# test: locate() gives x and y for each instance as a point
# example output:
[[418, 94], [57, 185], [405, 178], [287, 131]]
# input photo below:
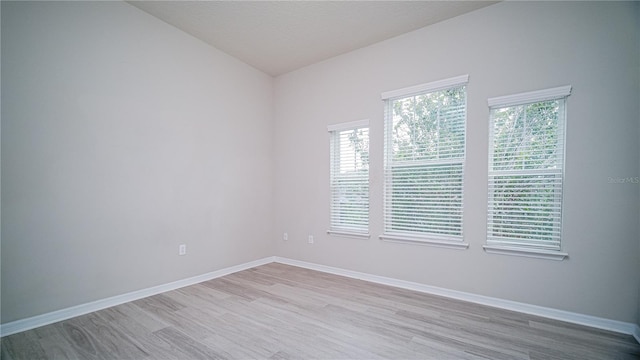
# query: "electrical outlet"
[[310, 239], [285, 237], [182, 249]]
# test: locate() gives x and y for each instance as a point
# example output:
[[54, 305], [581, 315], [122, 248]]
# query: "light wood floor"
[[277, 311]]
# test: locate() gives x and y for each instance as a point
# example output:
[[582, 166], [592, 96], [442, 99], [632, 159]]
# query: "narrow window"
[[424, 162], [526, 169], [349, 178]]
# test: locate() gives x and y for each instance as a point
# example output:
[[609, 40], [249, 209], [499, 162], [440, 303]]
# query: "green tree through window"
[[424, 164], [526, 173], [349, 178]]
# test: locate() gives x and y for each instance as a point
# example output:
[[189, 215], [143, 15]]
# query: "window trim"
[[427, 87], [351, 125], [520, 99], [349, 234], [427, 239], [530, 97], [431, 241], [524, 252], [334, 129]]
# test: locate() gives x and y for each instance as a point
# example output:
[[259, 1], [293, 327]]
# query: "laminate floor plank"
[[129, 316], [144, 338], [165, 309], [314, 326], [25, 345], [109, 341], [277, 311], [54, 344], [187, 346]]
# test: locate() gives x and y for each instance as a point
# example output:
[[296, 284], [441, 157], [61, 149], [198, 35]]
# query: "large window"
[[526, 156], [349, 178], [424, 162]]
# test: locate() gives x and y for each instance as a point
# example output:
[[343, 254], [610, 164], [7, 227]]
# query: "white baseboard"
[[82, 309], [68, 313], [571, 317]]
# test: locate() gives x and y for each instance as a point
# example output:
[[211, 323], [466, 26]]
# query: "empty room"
[[320, 180]]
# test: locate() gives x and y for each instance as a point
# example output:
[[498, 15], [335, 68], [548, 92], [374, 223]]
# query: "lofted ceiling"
[[281, 36]]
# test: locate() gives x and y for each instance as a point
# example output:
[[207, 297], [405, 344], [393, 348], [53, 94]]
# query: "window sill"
[[450, 244], [532, 253], [349, 234]]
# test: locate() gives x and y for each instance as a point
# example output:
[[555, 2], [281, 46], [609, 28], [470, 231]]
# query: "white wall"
[[506, 48], [123, 137]]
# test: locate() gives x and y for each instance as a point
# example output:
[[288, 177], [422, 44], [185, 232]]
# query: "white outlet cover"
[[310, 239]]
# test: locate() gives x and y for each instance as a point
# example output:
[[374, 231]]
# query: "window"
[[424, 163], [526, 155], [349, 178]]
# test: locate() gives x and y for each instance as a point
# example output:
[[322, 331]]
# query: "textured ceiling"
[[281, 36]]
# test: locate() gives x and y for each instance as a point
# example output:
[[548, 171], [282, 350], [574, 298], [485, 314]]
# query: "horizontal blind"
[[526, 174], [424, 164], [349, 180]]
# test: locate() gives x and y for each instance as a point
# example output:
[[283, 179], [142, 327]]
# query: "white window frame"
[[335, 162], [431, 239], [494, 245]]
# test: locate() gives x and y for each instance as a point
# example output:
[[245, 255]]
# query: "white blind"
[[526, 155], [424, 162], [349, 177]]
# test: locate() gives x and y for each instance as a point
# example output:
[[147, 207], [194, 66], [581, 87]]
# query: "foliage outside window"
[[526, 156], [349, 178], [424, 162]]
